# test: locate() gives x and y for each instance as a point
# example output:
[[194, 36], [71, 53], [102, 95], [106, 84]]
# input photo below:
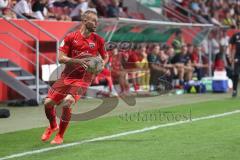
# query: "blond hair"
[[86, 14]]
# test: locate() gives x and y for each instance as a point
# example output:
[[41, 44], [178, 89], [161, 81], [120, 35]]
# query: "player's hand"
[[102, 66], [83, 63]]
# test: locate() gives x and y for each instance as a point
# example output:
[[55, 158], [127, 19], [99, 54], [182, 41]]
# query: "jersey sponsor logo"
[[91, 45]]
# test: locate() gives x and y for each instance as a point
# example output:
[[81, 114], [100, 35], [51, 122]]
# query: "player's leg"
[[50, 112], [188, 73], [55, 95], [235, 78], [181, 73], [146, 81], [51, 116], [65, 118]]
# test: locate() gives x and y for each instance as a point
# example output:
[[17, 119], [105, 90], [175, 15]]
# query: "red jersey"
[[75, 45], [133, 59]]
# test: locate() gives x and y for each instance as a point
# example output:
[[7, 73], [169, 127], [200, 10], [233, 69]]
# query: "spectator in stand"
[[170, 52], [100, 7], [222, 61], [165, 63], [134, 57], [224, 39], [3, 4], [237, 17], [205, 7], [213, 45], [195, 6], [113, 9], [214, 11], [64, 3], [156, 69], [143, 72], [39, 9], [24, 7], [183, 64], [178, 41], [198, 60], [79, 10], [92, 6], [118, 72], [215, 19], [229, 20]]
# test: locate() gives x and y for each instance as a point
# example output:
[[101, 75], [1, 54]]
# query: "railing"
[[42, 30], [27, 45], [37, 53], [17, 52]]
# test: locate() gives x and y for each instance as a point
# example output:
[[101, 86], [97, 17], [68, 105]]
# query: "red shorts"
[[63, 86]]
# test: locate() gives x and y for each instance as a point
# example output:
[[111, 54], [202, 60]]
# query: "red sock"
[[51, 115], [64, 121]]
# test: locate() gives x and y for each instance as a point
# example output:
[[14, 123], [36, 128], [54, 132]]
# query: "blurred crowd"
[[144, 64], [69, 10], [177, 63], [218, 12]]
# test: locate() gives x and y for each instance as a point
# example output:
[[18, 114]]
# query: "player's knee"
[[48, 102], [68, 100]]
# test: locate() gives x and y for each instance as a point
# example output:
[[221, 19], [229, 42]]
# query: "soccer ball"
[[95, 65]]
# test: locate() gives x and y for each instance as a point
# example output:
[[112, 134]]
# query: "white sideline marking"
[[117, 135]]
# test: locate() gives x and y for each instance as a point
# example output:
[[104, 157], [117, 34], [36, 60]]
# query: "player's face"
[[91, 23]]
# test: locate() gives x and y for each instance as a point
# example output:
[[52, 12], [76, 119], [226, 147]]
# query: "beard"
[[90, 27]]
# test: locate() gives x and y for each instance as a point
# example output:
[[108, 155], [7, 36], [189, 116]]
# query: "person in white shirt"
[[24, 7], [79, 9], [3, 4]]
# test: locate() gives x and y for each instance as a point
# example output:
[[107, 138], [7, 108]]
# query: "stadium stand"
[[186, 51]]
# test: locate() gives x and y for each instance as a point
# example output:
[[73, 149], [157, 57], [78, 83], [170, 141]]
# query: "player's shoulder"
[[98, 37], [73, 34]]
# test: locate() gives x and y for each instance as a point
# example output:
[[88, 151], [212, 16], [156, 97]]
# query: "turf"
[[208, 139]]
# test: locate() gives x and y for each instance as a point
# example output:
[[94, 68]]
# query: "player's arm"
[[231, 52], [231, 48], [65, 50], [102, 51], [64, 59], [105, 59]]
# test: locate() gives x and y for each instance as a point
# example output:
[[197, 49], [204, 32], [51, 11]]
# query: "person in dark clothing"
[[183, 64], [113, 9], [234, 48], [157, 70], [38, 8], [199, 61], [65, 3], [222, 62]]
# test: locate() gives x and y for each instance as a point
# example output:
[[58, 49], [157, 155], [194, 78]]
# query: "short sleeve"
[[102, 50], [232, 39], [26, 8], [65, 46]]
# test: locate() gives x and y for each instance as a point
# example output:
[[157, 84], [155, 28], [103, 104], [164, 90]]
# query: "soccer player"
[[75, 79], [234, 50]]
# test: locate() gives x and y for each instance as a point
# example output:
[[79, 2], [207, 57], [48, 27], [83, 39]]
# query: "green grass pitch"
[[217, 138]]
